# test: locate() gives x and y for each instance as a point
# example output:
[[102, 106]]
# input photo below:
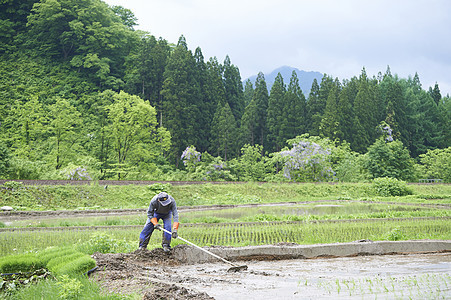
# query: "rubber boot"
[[166, 245], [143, 243]]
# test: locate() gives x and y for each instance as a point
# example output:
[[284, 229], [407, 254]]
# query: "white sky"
[[336, 37]]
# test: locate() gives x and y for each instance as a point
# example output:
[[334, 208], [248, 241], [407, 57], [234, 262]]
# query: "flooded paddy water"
[[375, 274], [201, 214], [159, 275], [414, 276]]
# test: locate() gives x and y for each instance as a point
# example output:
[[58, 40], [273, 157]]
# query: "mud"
[[184, 274], [141, 272]]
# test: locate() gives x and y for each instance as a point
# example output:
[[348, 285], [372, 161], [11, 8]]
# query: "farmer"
[[162, 206]]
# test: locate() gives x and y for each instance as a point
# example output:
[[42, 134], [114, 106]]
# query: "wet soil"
[[157, 275], [142, 272]]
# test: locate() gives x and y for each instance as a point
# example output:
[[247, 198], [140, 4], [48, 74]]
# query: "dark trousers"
[[147, 231]]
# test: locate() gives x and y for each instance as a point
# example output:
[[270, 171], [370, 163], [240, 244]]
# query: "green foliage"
[[69, 288], [103, 243], [160, 187], [13, 185], [63, 65], [386, 187], [4, 160], [53, 289], [132, 130], [252, 165], [10, 284], [389, 159], [94, 197], [350, 168], [395, 234], [436, 164]]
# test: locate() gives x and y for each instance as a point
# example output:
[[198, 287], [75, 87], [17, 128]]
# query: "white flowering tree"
[[190, 158], [309, 159]]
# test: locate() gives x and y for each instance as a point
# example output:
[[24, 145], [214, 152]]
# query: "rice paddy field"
[[108, 219], [222, 214]]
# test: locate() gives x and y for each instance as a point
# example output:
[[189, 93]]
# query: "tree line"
[[81, 88]]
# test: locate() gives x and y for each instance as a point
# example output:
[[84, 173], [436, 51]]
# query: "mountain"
[[305, 78]]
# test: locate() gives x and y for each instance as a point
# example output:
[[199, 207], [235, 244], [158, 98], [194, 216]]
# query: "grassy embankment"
[[138, 196]]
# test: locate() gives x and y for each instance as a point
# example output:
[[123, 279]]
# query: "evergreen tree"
[[233, 88], [205, 105], [275, 116], [311, 104], [249, 124], [364, 119], [261, 102], [345, 110], [294, 115], [180, 95], [444, 109], [396, 112], [317, 104], [145, 69], [424, 121], [215, 93], [330, 123], [224, 131], [435, 93], [248, 92]]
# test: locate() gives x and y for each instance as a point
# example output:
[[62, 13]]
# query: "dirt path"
[[157, 275]]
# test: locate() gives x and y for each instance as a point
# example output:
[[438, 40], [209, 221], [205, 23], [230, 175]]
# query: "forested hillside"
[[86, 96]]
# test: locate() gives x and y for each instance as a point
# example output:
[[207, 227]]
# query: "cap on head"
[[163, 197]]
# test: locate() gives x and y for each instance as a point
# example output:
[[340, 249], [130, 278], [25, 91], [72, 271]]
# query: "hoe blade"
[[237, 269]]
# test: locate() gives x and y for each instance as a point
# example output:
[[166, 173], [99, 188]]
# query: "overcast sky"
[[336, 37]]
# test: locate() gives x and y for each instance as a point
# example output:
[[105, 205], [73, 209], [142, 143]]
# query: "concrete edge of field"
[[294, 251]]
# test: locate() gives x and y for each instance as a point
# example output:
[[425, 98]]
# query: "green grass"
[[138, 196], [64, 288]]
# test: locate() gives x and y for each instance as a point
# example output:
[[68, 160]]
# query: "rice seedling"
[[421, 286], [231, 234]]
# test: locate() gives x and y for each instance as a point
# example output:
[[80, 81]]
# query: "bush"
[[104, 243], [395, 235], [160, 187], [390, 159], [69, 288], [386, 187], [436, 164]]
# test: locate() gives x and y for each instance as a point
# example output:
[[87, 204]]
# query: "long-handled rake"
[[234, 268]]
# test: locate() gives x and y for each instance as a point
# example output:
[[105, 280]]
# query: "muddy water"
[[418, 276]]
